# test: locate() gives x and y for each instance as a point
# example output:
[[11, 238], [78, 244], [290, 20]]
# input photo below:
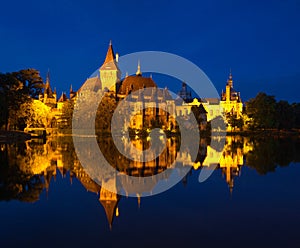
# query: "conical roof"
[[110, 59], [110, 55]]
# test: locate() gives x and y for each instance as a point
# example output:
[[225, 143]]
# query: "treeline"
[[268, 153], [21, 87], [264, 112], [17, 88]]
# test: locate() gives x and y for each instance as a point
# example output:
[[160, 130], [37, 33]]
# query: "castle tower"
[[110, 74], [231, 100], [229, 86], [48, 90], [49, 96], [72, 93]]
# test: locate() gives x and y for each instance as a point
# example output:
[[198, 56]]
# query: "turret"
[[72, 93], [110, 74], [49, 97]]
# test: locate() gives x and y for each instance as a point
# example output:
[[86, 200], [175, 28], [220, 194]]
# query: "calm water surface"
[[252, 199]]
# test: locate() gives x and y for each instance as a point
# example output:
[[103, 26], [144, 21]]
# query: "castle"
[[150, 106]]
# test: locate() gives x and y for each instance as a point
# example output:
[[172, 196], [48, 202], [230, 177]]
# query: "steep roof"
[[110, 55], [110, 60], [63, 98], [91, 84]]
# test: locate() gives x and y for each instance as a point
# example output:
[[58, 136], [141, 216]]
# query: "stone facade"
[[153, 106]]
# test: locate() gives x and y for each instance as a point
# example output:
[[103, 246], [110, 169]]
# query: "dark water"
[[252, 199]]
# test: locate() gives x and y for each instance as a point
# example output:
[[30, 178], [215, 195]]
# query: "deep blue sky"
[[259, 40]]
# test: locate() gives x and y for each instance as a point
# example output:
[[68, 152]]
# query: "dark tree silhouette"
[[262, 112], [17, 88]]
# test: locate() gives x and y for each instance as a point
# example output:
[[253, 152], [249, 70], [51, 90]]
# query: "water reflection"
[[27, 169]]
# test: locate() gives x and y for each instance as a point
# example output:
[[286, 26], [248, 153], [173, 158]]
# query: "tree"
[[105, 113], [35, 113], [67, 113], [234, 121], [11, 94], [261, 112], [17, 88], [32, 82], [285, 115], [296, 113], [199, 113]]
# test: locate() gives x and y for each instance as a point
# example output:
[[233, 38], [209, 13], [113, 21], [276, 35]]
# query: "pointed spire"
[[230, 74], [230, 81], [138, 72], [110, 55], [48, 77], [71, 88], [63, 97], [48, 89]]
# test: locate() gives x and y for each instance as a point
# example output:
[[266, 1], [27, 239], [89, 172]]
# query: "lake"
[[251, 199]]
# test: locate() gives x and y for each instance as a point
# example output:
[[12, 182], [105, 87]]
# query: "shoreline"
[[13, 136], [267, 132], [20, 136]]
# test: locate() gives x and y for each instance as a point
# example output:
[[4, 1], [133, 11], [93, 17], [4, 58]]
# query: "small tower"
[[110, 73], [62, 100], [48, 90], [72, 93], [184, 93]]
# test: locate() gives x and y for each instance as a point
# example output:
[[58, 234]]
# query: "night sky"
[[258, 40]]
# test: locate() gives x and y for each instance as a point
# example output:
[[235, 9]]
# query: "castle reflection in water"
[[34, 164]]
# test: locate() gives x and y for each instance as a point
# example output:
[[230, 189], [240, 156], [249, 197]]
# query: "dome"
[[134, 83]]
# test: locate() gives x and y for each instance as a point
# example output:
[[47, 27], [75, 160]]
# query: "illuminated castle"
[[231, 100], [151, 107], [149, 103]]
